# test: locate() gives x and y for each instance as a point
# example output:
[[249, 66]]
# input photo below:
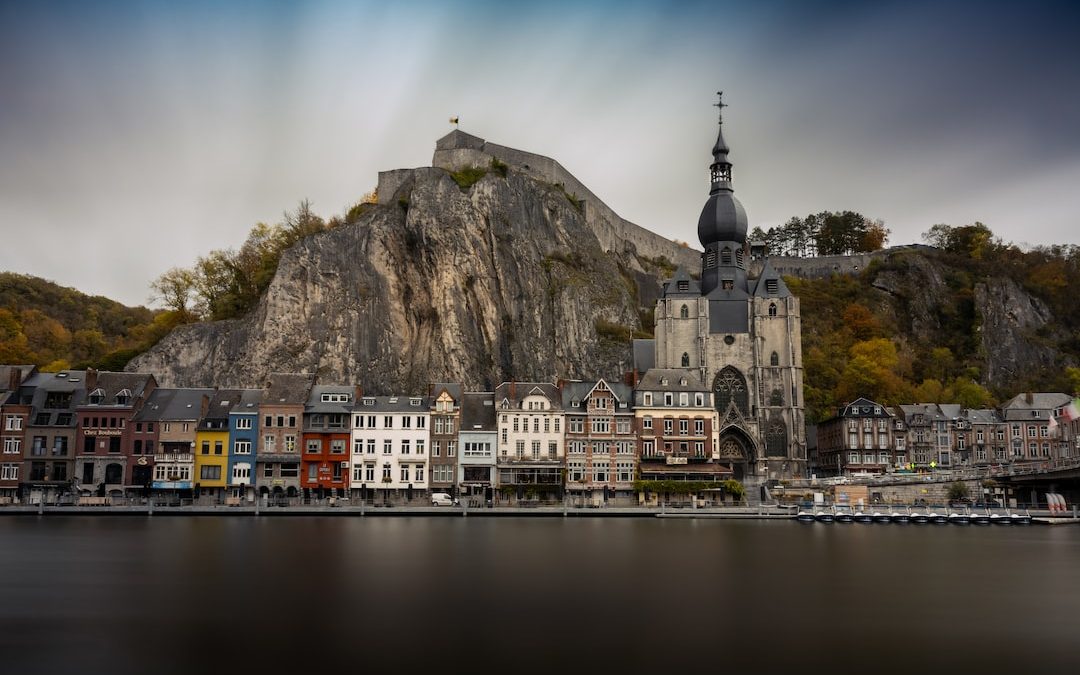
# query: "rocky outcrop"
[[1016, 331], [500, 280]]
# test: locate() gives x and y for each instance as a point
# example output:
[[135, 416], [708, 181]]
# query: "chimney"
[[91, 379], [1029, 397], [14, 378], [358, 393], [204, 406]]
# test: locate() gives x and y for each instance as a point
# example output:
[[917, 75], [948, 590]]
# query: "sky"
[[137, 136]]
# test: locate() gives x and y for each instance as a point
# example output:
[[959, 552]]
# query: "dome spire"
[[720, 170]]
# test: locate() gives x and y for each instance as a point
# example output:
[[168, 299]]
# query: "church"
[[740, 337]]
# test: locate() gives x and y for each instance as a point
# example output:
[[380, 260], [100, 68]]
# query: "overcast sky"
[[136, 136]]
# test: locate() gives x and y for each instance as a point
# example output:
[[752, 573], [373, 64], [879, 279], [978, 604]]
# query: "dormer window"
[[414, 401], [772, 286], [97, 396], [123, 397], [335, 398], [682, 382], [684, 285], [368, 400], [663, 381]]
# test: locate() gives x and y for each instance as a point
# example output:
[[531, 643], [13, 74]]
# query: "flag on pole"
[[1053, 425]]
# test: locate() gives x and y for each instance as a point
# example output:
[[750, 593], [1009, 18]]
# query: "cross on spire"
[[720, 105]]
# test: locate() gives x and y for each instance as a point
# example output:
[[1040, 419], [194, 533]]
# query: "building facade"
[[243, 444], [859, 441], [277, 463], [324, 470], [600, 441], [390, 449], [478, 439], [14, 418], [531, 440], [104, 439], [740, 336], [49, 443], [445, 422]]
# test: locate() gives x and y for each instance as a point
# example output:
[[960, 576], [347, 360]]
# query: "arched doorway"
[[737, 449]]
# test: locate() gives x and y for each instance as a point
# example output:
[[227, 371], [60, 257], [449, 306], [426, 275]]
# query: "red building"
[[103, 438], [14, 418], [324, 470]]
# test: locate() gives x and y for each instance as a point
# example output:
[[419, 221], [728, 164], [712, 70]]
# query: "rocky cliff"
[[478, 283]]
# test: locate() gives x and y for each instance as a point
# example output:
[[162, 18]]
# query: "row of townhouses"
[[89, 433], [867, 438]]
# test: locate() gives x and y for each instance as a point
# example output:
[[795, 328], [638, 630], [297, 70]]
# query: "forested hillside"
[[55, 327], [973, 322]]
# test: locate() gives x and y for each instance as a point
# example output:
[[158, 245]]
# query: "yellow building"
[[212, 448]]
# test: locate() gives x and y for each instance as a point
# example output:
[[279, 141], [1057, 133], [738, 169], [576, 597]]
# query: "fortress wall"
[[815, 268]]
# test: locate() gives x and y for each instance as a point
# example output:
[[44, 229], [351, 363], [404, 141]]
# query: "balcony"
[[169, 457]]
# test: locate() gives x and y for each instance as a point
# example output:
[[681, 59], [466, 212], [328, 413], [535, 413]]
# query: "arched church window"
[[776, 439], [776, 397], [730, 387], [725, 256], [684, 312], [685, 360], [772, 309], [774, 360]]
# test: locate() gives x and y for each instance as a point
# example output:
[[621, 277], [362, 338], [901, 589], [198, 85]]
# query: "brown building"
[[281, 411], [600, 441], [446, 399], [49, 442], [858, 440], [167, 424], [676, 425], [14, 418], [104, 438]]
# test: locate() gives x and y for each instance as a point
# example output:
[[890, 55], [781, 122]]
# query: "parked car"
[[442, 499]]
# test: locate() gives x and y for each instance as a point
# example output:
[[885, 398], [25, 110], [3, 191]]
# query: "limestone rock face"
[[1013, 330], [501, 280]]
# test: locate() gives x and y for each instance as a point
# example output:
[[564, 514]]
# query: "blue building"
[[243, 441]]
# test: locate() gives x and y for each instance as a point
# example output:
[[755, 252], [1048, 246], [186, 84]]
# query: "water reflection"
[[184, 595]]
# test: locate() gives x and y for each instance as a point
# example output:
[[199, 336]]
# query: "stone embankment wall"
[[614, 232]]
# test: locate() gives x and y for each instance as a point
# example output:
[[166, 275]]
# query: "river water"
[[193, 595]]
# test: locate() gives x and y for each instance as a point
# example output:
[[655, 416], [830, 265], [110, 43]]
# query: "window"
[[622, 425], [577, 425], [647, 448], [601, 425], [625, 472], [520, 449], [684, 399], [290, 444], [313, 472], [211, 473], [242, 447], [371, 446], [358, 422], [369, 472], [557, 425], [405, 447], [388, 422], [684, 427], [421, 423], [451, 448], [386, 478], [358, 446], [699, 427], [337, 446], [516, 425], [646, 422], [243, 422], [438, 425], [419, 446], [684, 312], [419, 471], [406, 422], [268, 470], [387, 447], [241, 472], [774, 359], [290, 470], [358, 474], [576, 447], [772, 309], [218, 447], [205, 447], [553, 450], [646, 398], [404, 472], [13, 423], [436, 448], [12, 446], [668, 399], [536, 449], [314, 446], [669, 426], [600, 472]]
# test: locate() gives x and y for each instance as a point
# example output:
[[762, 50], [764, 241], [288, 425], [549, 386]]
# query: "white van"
[[442, 499]]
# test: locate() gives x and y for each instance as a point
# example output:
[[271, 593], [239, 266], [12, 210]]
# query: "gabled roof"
[[112, 384], [452, 388], [1019, 408], [671, 286], [315, 404], [769, 273], [516, 392], [864, 407]]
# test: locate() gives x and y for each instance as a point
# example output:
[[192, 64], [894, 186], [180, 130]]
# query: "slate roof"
[[452, 388], [651, 381], [222, 402], [478, 412], [287, 388], [644, 354], [1018, 407], [111, 384], [248, 402], [769, 273], [315, 404], [393, 404], [515, 393], [671, 286], [173, 404]]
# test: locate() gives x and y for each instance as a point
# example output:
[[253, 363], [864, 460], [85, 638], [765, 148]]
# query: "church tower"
[[740, 336]]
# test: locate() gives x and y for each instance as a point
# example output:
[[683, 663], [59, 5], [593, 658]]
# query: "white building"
[[530, 448], [390, 446]]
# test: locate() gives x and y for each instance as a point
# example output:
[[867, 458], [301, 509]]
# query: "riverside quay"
[[89, 437]]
